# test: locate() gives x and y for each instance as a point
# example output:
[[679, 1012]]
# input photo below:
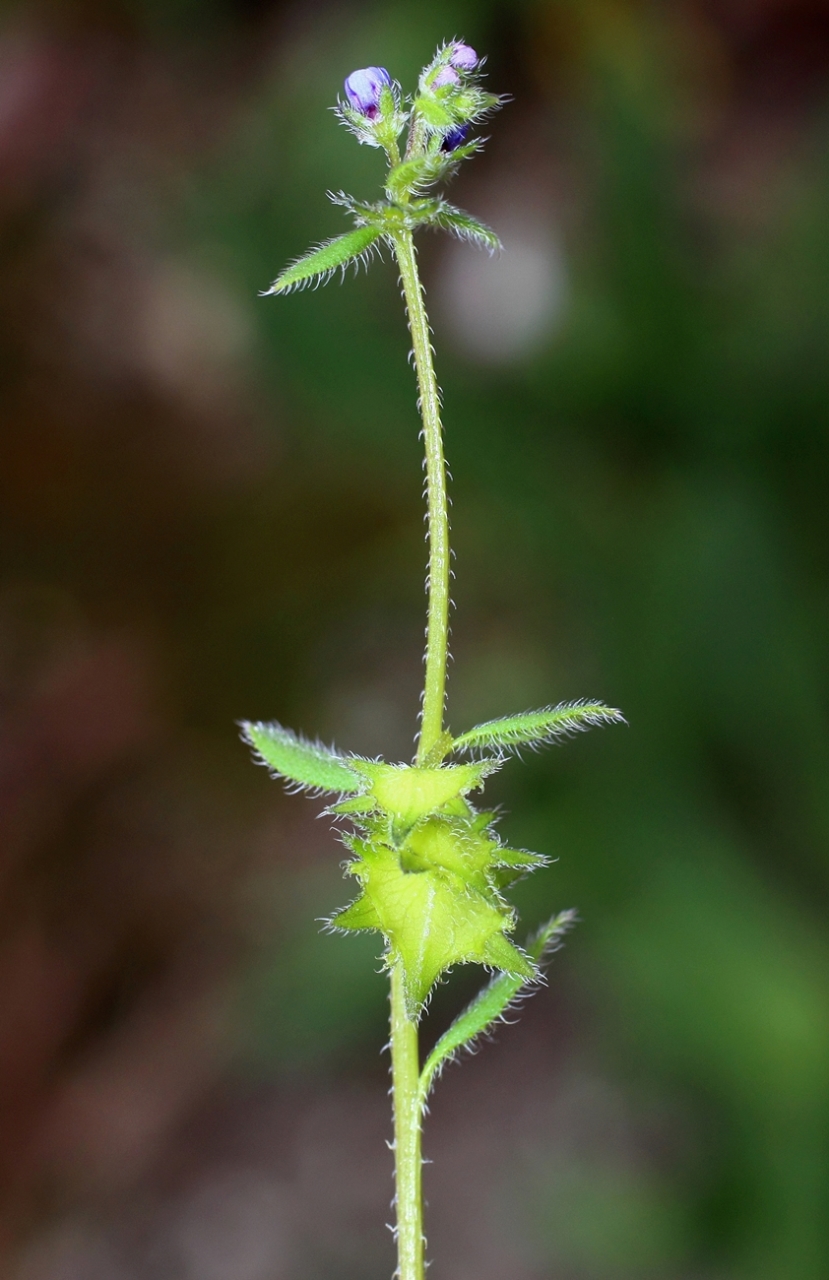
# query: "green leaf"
[[535, 727], [417, 174], [353, 806], [433, 112], [412, 175], [465, 227], [321, 263], [512, 865], [472, 103], [491, 1003], [518, 859], [308, 765]]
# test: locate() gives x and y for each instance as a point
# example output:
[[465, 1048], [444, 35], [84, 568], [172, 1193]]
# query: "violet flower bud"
[[445, 76], [464, 57], [454, 138], [363, 89]]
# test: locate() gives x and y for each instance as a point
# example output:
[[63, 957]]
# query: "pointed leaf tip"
[[492, 1003], [465, 227], [321, 263], [307, 765], [532, 728]]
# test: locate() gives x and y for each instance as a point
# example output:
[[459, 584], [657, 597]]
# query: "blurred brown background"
[[210, 509]]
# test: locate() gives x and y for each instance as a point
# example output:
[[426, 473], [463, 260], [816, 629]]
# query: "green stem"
[[407, 1117], [408, 1104], [437, 633]]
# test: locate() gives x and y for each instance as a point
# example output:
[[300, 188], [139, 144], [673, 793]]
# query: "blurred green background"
[[211, 510]]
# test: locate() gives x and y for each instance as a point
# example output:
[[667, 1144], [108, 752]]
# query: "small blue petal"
[[363, 89], [454, 138]]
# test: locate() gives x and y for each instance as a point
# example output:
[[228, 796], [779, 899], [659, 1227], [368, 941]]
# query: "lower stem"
[[405, 1066]]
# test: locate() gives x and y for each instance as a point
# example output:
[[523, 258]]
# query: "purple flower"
[[454, 138], [363, 89], [464, 57], [445, 76]]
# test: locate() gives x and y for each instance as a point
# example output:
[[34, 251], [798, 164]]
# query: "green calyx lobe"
[[437, 901], [403, 795], [431, 871]]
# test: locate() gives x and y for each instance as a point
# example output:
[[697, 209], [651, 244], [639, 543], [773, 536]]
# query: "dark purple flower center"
[[454, 138]]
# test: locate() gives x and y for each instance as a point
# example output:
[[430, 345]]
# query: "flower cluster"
[[448, 101]]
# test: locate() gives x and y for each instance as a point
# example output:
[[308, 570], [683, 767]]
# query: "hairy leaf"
[[465, 227], [512, 865], [320, 264], [492, 1003], [414, 175], [308, 765], [436, 114], [535, 727]]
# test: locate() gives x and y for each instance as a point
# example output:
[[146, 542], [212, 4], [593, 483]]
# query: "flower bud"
[[363, 89], [445, 76], [454, 138], [464, 57]]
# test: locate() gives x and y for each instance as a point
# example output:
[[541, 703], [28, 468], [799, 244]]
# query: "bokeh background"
[[211, 509]]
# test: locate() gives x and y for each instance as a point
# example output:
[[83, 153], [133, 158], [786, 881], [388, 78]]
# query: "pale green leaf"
[[434, 112], [492, 1003], [465, 227], [319, 265], [518, 859], [412, 175], [511, 865], [535, 727], [307, 765]]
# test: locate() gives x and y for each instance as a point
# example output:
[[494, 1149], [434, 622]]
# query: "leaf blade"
[[308, 766], [532, 728], [321, 263], [492, 1002], [465, 227]]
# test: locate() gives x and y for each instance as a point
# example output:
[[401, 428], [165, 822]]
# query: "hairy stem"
[[407, 1118], [408, 1106], [437, 633]]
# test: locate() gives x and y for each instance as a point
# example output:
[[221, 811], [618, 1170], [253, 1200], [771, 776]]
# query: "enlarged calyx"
[[431, 868]]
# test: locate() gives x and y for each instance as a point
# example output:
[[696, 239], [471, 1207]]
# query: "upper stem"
[[437, 632]]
